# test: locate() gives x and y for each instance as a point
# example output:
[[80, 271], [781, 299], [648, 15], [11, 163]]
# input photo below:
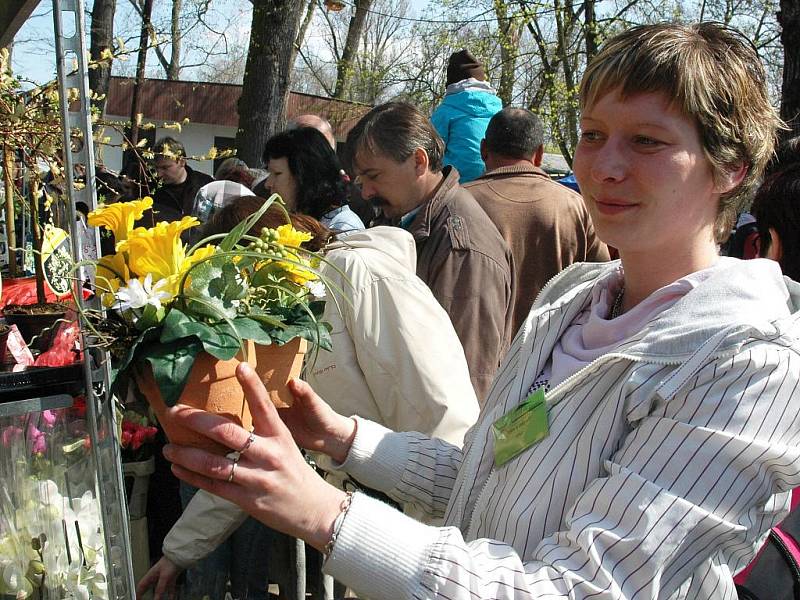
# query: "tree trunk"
[[568, 139], [11, 234], [174, 72], [102, 39], [132, 164], [509, 30], [789, 19], [344, 70], [301, 35], [267, 76], [590, 34], [36, 229]]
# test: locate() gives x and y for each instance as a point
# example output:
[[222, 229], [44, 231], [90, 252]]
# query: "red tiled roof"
[[215, 103]]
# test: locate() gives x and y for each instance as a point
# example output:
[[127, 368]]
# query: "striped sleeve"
[[409, 467], [684, 501]]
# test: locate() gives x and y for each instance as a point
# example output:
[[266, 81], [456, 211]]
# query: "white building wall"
[[197, 138]]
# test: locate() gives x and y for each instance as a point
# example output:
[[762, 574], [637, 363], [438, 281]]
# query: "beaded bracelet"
[[337, 525]]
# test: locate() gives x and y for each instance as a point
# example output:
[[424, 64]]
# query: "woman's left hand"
[[271, 480]]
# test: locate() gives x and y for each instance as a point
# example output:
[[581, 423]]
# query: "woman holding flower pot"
[[641, 434]]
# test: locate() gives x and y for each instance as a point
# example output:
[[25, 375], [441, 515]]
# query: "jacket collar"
[[420, 227], [528, 169], [746, 298]]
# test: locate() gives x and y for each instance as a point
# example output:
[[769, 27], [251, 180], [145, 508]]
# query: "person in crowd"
[[395, 359], [461, 119], [321, 124], [777, 215], [397, 156], [545, 224], [306, 173], [174, 198], [212, 197], [236, 170], [642, 434], [365, 211], [745, 241]]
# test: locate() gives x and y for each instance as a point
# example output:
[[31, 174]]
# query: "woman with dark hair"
[[305, 172], [777, 214]]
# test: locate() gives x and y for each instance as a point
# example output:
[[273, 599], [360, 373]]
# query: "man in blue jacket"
[[461, 119]]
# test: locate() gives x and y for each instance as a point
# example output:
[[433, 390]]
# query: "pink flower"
[[49, 418], [36, 439], [10, 435]]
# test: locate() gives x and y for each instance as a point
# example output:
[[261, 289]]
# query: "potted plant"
[[183, 318], [31, 135]]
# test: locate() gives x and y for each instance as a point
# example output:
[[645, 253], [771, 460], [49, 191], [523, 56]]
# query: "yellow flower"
[[296, 273], [289, 236], [174, 281], [158, 250], [120, 217], [112, 273]]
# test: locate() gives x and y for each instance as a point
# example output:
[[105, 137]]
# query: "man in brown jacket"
[[545, 224], [397, 157]]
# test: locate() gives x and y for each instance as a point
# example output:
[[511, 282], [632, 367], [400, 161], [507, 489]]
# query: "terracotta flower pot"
[[212, 386], [276, 365]]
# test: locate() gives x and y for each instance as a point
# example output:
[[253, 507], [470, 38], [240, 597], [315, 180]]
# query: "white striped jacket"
[[666, 463]]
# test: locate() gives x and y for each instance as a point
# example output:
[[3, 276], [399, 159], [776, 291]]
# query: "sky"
[[33, 57]]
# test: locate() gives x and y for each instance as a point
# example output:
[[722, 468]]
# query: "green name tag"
[[521, 428]]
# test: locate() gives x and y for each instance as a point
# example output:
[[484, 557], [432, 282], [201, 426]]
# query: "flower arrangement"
[[171, 301]]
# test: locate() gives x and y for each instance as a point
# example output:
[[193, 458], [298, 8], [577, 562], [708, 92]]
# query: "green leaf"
[[299, 323], [218, 339], [171, 364], [251, 329], [217, 286], [266, 319]]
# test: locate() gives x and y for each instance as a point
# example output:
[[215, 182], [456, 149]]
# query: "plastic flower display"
[[173, 301], [51, 542]]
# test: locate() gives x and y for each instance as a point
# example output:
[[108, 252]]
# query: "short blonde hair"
[[714, 77]]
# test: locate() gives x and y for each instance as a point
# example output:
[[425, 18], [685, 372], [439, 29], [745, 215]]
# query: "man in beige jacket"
[[545, 224]]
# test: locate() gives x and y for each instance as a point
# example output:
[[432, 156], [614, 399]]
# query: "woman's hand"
[[270, 480], [315, 425], [162, 576]]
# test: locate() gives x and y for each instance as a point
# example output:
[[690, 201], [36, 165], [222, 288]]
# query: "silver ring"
[[234, 462], [247, 444]]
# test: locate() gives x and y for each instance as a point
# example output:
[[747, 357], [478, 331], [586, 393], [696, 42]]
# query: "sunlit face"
[[282, 182], [170, 171], [644, 176], [391, 186]]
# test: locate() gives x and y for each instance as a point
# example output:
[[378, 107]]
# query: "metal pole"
[[79, 149]]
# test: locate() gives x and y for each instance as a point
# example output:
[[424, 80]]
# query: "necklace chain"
[[616, 308]]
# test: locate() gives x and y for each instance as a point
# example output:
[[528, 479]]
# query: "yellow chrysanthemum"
[[120, 217], [291, 237], [158, 250], [296, 273]]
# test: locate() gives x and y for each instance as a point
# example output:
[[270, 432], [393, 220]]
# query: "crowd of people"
[[506, 412]]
